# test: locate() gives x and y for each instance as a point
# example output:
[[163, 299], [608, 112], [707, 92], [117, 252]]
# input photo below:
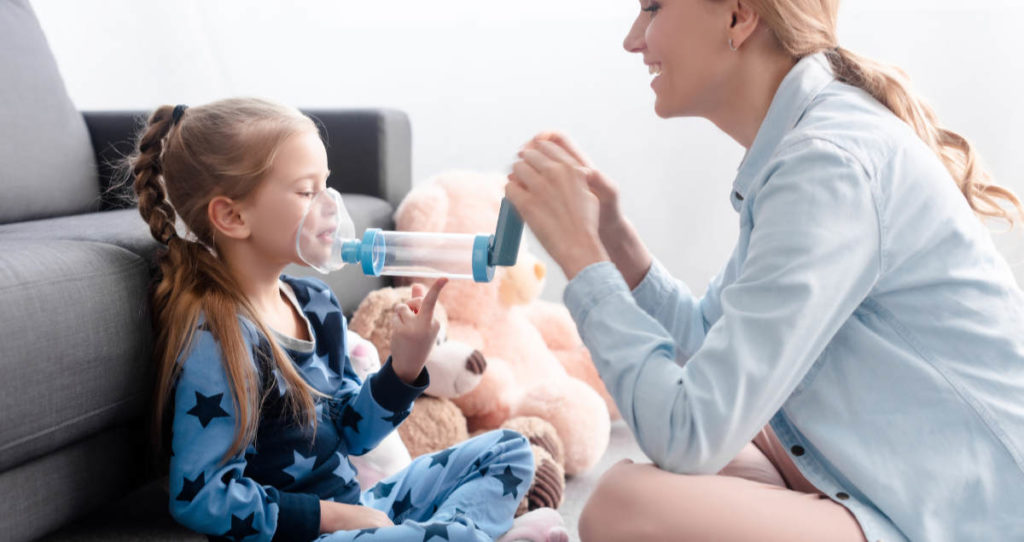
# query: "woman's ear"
[[744, 23], [226, 218]]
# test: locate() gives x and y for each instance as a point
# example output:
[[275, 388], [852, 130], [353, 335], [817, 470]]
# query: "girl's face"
[[684, 42], [273, 213]]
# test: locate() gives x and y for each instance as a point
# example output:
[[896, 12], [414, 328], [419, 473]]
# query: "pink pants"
[[760, 495]]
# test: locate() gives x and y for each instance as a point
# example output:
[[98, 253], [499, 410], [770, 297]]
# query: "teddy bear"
[[435, 423], [537, 365]]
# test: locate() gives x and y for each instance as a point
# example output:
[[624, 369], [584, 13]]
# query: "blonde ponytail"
[[806, 27], [890, 86]]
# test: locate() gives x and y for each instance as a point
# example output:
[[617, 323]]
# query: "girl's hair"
[[220, 149], [806, 27]]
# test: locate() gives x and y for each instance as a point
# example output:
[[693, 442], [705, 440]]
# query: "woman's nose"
[[634, 42]]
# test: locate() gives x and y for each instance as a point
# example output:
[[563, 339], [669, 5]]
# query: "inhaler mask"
[[326, 241], [324, 229]]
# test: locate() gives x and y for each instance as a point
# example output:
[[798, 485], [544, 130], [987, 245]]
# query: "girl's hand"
[[415, 331], [550, 190], [336, 516]]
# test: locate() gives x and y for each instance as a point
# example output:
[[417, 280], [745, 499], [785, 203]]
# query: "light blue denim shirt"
[[864, 313]]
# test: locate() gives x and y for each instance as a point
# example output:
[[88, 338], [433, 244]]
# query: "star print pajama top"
[[272, 491]]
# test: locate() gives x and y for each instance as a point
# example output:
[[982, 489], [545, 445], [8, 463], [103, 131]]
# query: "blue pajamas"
[[466, 493], [272, 489]]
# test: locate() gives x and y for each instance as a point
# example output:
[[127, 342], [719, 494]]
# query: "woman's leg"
[[468, 492], [748, 500]]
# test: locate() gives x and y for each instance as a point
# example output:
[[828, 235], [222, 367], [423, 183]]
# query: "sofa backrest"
[[46, 159]]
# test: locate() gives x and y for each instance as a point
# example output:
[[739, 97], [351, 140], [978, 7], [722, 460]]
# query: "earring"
[[731, 46]]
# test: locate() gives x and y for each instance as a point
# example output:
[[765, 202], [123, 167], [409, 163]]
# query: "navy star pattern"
[[435, 530], [441, 458], [289, 458], [191, 488], [382, 490], [401, 507], [509, 482], [207, 408], [350, 418], [241, 528]]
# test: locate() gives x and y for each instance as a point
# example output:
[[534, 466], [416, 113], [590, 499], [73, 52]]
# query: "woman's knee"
[[613, 499]]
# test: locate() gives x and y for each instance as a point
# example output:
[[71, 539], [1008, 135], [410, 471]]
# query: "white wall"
[[480, 77]]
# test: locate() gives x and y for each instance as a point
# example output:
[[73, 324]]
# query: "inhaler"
[[327, 240]]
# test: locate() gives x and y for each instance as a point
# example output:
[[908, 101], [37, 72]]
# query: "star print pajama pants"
[[466, 493]]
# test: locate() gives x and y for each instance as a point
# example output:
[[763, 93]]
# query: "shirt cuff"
[[298, 517], [653, 289], [392, 393], [590, 286]]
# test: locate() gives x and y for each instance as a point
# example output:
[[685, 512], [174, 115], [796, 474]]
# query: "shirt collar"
[[800, 86]]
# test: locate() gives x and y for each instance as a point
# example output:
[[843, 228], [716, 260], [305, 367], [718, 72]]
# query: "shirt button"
[[797, 450], [842, 496], [738, 196]]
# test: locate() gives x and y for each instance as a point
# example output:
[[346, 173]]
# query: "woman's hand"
[[415, 331], [336, 516], [553, 197], [560, 148]]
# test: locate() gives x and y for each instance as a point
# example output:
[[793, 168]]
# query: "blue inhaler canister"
[[410, 254]]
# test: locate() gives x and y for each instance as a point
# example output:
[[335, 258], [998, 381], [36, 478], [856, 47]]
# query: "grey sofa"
[[75, 264]]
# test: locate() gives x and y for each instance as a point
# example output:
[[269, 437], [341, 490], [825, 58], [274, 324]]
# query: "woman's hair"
[[182, 162], [806, 27]]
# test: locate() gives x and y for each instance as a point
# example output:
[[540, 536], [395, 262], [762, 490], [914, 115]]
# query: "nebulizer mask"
[[327, 241]]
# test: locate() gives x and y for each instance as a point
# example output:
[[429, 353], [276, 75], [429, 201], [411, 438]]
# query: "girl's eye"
[[306, 194]]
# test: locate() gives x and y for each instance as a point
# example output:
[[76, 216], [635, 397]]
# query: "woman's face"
[[685, 43], [298, 173]]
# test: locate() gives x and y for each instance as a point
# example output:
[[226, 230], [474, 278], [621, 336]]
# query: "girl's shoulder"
[[311, 292]]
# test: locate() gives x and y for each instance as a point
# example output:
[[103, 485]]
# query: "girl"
[[865, 334], [253, 379]]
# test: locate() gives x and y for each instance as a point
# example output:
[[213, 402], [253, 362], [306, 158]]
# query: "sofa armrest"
[[369, 151]]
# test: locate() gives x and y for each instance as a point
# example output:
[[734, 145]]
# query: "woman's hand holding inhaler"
[[554, 155], [415, 331]]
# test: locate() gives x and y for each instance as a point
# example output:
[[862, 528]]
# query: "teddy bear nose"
[[539, 270], [476, 363]]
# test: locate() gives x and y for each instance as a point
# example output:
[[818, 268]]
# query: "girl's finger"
[[418, 290], [415, 304], [430, 300], [404, 313]]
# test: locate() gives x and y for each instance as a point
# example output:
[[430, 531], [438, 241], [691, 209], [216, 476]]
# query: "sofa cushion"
[[46, 159], [124, 228], [75, 336]]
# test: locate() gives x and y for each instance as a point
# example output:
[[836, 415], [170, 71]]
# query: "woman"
[[856, 370]]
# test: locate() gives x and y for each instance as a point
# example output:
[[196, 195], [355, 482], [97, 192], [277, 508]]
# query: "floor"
[[142, 516]]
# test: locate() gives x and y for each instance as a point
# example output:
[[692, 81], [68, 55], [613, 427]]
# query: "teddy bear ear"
[[423, 209]]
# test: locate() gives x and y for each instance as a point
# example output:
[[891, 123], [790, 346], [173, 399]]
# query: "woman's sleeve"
[[814, 255], [669, 301], [214, 497]]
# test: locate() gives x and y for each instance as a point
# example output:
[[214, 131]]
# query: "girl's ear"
[[226, 218]]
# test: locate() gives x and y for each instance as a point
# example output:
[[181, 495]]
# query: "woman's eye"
[[651, 8]]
